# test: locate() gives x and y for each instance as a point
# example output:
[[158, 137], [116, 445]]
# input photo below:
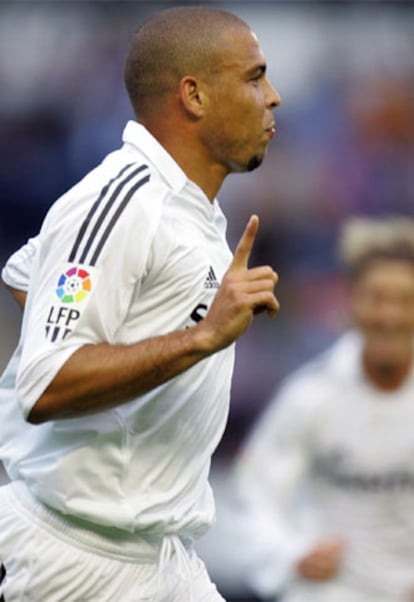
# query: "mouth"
[[271, 130]]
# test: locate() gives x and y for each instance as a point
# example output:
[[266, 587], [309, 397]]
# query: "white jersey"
[[16, 272], [332, 456], [134, 250]]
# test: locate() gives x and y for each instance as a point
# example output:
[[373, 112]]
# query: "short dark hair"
[[171, 44]]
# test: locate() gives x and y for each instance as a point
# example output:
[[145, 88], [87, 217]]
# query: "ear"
[[193, 96]]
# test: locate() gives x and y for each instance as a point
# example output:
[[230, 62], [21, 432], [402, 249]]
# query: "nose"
[[272, 96]]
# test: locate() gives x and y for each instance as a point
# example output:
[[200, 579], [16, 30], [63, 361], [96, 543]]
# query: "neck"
[[190, 154], [387, 375], [197, 167]]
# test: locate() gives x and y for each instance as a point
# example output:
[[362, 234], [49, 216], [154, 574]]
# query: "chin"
[[254, 162], [242, 167]]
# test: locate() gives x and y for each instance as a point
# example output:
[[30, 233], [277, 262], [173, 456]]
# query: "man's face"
[[382, 305], [239, 122]]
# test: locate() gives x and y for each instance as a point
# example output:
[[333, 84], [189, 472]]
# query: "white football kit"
[[332, 457], [134, 250]]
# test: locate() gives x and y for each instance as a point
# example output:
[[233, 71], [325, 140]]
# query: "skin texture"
[[102, 376], [381, 305], [240, 111], [213, 122], [323, 561], [225, 119]]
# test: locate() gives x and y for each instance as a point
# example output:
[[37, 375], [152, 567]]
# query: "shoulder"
[[310, 377], [317, 381], [123, 190], [329, 367], [304, 398], [131, 183]]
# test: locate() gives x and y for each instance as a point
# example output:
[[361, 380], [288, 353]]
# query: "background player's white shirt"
[[332, 456], [132, 251]]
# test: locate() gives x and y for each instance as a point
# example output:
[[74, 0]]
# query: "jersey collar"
[[139, 137]]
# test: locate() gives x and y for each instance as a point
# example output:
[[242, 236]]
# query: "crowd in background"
[[344, 145]]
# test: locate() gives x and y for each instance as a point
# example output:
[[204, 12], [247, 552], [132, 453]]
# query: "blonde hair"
[[364, 240]]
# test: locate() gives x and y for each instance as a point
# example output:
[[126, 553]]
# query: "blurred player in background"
[[118, 393], [327, 475]]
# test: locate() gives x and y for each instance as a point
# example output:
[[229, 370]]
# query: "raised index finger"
[[245, 244]]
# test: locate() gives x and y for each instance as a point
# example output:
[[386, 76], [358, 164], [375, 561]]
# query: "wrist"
[[204, 339]]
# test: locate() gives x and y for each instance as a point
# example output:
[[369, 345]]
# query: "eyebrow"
[[258, 69]]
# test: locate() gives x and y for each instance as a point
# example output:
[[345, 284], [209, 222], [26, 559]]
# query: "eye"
[[257, 76]]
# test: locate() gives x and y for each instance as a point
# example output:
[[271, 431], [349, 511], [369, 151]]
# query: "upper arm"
[[89, 267]]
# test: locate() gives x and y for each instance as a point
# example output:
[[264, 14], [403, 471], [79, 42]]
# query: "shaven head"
[[364, 240], [172, 44]]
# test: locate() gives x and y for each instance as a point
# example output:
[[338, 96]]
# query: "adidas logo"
[[211, 280]]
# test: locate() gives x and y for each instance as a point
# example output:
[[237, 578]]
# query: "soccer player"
[[118, 392], [326, 476]]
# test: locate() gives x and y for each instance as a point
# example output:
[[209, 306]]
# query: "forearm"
[[99, 377]]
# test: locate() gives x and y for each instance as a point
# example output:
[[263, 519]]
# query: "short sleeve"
[[16, 272], [83, 297]]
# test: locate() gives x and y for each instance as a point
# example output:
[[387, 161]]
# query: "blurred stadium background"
[[345, 145]]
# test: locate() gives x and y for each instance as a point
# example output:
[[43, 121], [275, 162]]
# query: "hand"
[[322, 562], [243, 293]]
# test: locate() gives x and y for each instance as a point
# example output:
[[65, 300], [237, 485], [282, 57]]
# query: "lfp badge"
[[73, 285]]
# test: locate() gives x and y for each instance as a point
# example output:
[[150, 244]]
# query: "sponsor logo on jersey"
[[60, 322], [73, 288], [73, 285], [199, 313], [338, 469], [211, 280]]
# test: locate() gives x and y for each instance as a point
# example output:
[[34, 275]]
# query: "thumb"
[[245, 244]]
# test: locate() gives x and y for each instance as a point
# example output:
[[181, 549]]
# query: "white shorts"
[[48, 558]]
